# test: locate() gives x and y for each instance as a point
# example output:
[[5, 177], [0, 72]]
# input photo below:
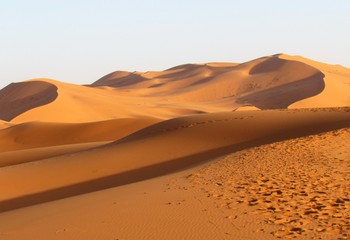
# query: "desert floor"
[[295, 188]]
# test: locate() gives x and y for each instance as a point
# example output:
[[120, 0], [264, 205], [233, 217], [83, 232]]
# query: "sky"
[[79, 41]]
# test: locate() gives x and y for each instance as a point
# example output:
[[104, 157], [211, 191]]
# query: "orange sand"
[[257, 150]]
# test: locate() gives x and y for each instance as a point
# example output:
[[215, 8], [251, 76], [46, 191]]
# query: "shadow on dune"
[[163, 168], [282, 96], [18, 98], [269, 65], [192, 70], [111, 80], [118, 179]]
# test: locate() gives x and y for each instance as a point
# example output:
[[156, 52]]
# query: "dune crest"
[[161, 148], [337, 82], [272, 82], [19, 137]]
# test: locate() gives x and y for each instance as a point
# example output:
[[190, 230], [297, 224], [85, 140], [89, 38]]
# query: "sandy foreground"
[[258, 150], [282, 188], [294, 188]]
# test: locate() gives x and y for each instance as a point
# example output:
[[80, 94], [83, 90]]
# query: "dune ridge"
[[272, 82], [9, 158], [19, 137], [116, 163], [336, 80]]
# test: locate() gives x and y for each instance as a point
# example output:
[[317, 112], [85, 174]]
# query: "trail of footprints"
[[301, 185]]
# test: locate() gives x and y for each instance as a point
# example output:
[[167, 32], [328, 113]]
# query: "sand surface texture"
[[258, 150]]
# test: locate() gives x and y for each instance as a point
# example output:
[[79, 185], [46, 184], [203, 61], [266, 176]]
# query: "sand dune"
[[257, 150], [161, 148], [337, 84], [272, 82], [40, 134], [246, 83], [76, 104], [81, 104]]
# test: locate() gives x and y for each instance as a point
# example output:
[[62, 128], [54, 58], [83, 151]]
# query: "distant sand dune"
[[272, 82], [233, 85]]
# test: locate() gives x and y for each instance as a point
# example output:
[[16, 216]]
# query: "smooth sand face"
[[192, 152]]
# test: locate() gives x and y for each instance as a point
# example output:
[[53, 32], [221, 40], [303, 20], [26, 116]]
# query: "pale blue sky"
[[81, 40]]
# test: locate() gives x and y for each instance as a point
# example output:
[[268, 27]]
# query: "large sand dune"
[[257, 150], [157, 150], [337, 84], [273, 82]]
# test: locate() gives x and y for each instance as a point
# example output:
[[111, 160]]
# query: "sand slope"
[[211, 202], [9, 158], [337, 81], [80, 104], [41, 134], [159, 149], [76, 104]]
